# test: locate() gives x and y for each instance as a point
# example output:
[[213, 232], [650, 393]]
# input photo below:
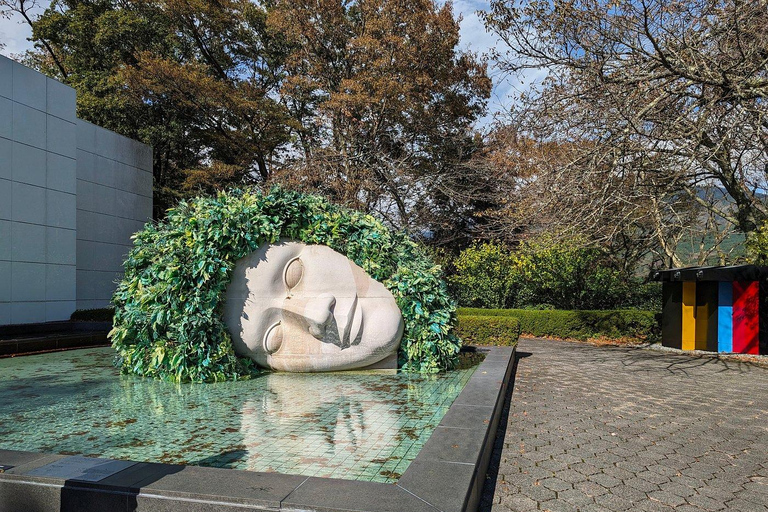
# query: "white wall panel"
[[71, 196]]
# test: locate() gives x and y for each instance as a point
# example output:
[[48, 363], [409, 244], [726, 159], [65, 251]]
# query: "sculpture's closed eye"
[[294, 270], [273, 339]]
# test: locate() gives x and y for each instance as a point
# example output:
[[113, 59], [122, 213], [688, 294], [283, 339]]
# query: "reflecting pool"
[[360, 426]]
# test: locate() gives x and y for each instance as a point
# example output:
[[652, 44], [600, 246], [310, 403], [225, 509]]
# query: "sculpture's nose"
[[318, 313]]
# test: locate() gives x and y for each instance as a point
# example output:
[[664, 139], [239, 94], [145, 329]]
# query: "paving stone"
[[613, 502], [591, 488], [705, 502], [687, 508], [677, 489], [585, 468], [577, 498], [652, 477], [654, 506], [569, 475], [641, 485], [744, 506], [667, 498], [538, 492], [555, 484], [612, 428], [558, 506], [519, 502], [605, 480]]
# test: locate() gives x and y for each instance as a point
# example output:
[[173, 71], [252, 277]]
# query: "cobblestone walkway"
[[605, 428]]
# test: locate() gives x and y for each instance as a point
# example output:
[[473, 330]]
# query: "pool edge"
[[447, 475]]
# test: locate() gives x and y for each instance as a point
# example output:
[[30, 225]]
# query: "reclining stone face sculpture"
[[307, 308]]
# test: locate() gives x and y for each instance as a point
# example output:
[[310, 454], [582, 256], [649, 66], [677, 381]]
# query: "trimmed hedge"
[[579, 325], [93, 315], [488, 330]]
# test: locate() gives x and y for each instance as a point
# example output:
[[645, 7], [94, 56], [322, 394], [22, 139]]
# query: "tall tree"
[[662, 102], [192, 78], [370, 102], [385, 99]]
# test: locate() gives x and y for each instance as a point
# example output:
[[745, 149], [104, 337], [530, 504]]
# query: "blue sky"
[[474, 37]]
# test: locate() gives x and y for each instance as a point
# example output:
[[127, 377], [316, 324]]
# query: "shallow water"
[[354, 426]]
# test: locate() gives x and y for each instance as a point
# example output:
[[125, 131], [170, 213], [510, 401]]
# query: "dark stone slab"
[[19, 331], [89, 340], [497, 353], [480, 391], [18, 458], [8, 347], [24, 339], [330, 495], [78, 499], [143, 472], [214, 484], [493, 367], [37, 460], [454, 445], [36, 345], [153, 503], [446, 486], [87, 469], [467, 416], [449, 472]]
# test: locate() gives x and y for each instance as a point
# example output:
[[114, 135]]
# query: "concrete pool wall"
[[447, 475], [71, 195]]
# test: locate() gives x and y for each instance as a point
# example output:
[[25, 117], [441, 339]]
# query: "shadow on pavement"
[[492, 474]]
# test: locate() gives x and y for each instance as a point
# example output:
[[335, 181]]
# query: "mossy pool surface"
[[360, 426]]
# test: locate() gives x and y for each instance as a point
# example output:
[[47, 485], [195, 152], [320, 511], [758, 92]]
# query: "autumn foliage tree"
[[369, 102], [385, 100]]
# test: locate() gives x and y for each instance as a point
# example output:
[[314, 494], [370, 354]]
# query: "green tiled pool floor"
[[353, 426]]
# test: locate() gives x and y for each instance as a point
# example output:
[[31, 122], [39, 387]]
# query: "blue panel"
[[725, 317]]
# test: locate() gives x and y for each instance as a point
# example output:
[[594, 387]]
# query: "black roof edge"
[[729, 273]]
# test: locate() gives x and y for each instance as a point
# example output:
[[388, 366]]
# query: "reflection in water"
[[356, 426]]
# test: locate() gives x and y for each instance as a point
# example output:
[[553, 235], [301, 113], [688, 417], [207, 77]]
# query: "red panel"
[[746, 318]]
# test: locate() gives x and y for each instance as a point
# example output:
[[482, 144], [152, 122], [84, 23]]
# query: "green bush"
[[168, 307], [579, 325], [485, 276], [488, 330], [569, 275], [643, 296], [93, 315], [564, 274]]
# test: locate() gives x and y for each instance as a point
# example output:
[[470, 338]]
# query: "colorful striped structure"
[[719, 309]]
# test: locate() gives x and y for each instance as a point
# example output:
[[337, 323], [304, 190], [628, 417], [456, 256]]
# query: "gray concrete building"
[[71, 195]]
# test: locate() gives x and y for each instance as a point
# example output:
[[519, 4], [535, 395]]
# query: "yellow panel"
[[702, 324], [689, 315]]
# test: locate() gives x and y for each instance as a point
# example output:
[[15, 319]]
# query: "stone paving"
[[611, 429]]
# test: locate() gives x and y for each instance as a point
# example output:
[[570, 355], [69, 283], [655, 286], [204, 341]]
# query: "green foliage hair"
[[168, 308]]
